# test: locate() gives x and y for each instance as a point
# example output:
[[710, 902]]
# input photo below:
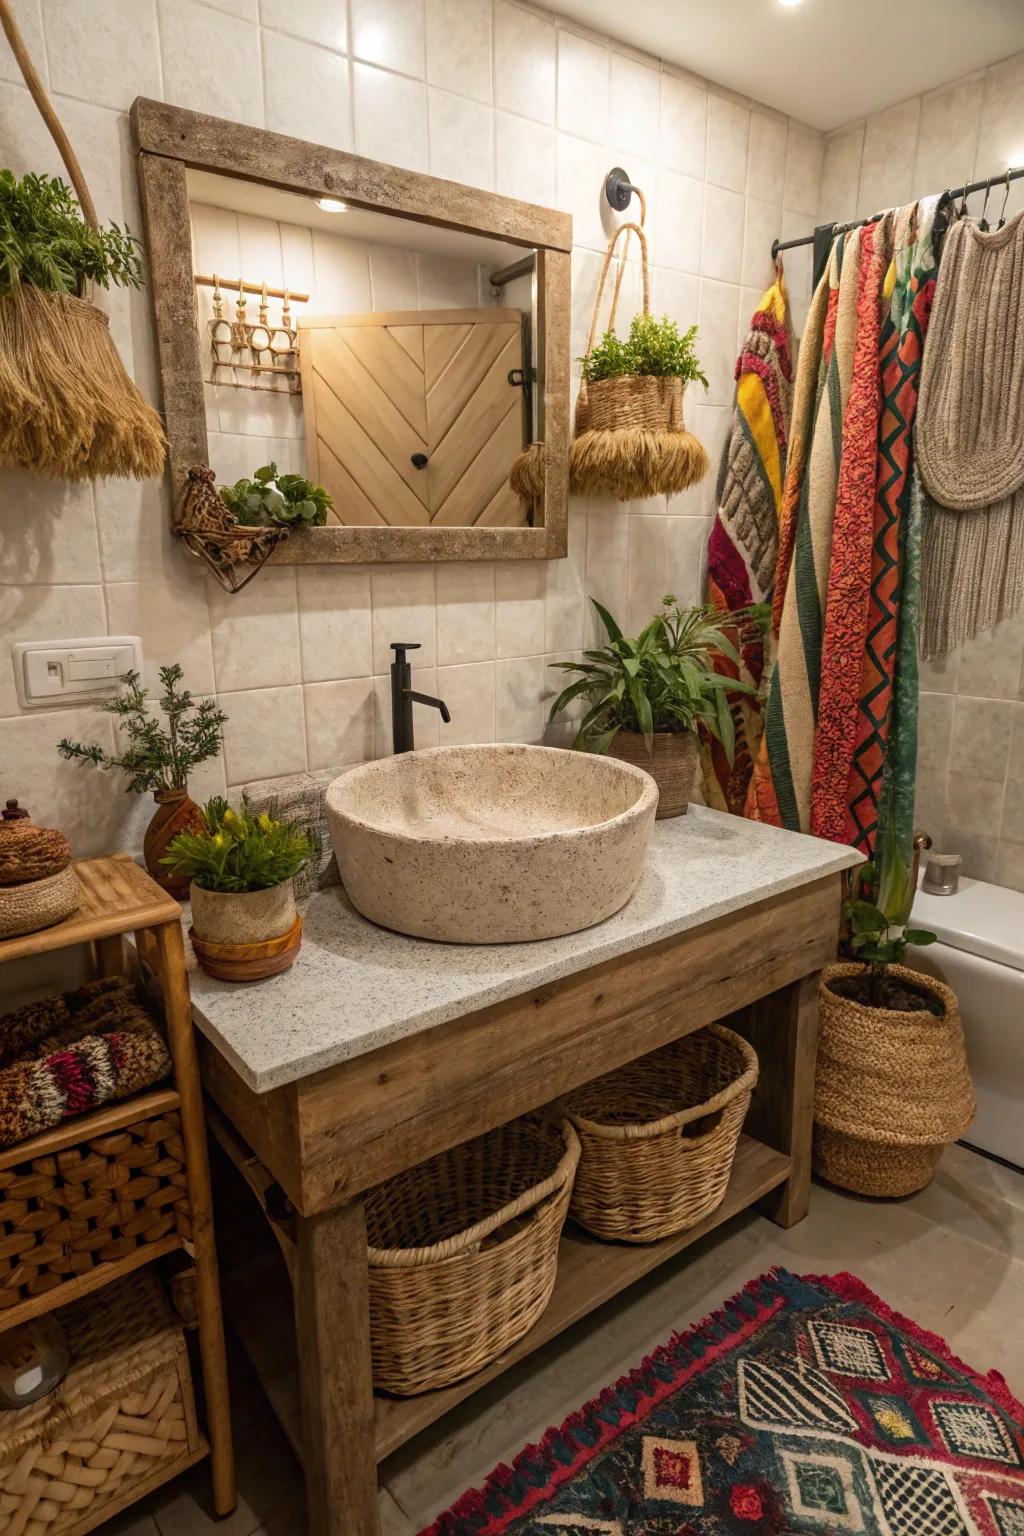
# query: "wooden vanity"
[[376, 1051]]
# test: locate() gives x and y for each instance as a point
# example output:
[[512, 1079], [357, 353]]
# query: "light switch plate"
[[51, 672]]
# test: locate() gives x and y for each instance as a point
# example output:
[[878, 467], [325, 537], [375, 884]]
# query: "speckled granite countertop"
[[356, 987]]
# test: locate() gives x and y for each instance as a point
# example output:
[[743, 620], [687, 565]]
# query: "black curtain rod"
[[953, 193]]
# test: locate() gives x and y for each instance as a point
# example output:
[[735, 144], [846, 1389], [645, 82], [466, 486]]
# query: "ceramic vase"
[[672, 765], [175, 813]]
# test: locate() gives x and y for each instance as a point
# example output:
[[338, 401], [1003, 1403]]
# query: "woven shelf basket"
[[122, 1420], [463, 1252], [658, 1136], [63, 1214], [891, 1088], [38, 903]]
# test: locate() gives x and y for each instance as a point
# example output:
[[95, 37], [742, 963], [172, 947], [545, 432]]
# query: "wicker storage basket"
[[891, 1090], [94, 1203], [658, 1136], [38, 903], [122, 1421], [463, 1252]]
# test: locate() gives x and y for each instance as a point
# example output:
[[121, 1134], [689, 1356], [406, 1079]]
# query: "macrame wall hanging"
[[631, 440], [233, 551], [253, 354], [67, 406]]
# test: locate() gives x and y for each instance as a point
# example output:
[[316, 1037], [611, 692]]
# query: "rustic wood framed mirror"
[[427, 347]]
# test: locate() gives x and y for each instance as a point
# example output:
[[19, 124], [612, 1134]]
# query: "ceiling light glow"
[[331, 205], [789, 4]]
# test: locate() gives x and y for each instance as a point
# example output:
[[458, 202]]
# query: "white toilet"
[[980, 954]]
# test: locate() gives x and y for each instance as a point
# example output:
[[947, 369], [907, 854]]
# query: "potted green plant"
[[240, 869], [158, 758], [648, 696], [892, 1086], [272, 499]]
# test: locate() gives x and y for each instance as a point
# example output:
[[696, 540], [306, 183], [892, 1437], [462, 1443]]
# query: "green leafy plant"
[[45, 242], [284, 500], [653, 347], [664, 680], [878, 913], [237, 851], [156, 756]]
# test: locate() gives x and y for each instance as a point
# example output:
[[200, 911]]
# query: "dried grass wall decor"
[[67, 406]]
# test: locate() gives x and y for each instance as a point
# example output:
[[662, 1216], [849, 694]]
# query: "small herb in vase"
[[156, 757], [282, 500]]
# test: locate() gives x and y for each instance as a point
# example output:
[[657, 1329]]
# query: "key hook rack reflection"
[[249, 354]]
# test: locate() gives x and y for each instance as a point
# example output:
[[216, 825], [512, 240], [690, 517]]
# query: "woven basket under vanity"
[[121, 1420], [464, 1251], [658, 1136]]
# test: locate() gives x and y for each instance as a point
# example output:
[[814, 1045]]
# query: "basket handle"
[[37, 90], [469, 1240], [630, 229]]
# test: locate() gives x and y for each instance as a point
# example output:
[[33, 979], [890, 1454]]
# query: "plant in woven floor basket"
[[244, 922], [892, 1085], [631, 439], [67, 406], [159, 758], [647, 697]]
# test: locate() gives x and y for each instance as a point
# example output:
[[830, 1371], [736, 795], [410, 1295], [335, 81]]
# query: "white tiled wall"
[[970, 789], [486, 91]]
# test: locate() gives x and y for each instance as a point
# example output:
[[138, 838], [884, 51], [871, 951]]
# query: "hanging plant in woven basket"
[[67, 406], [631, 438]]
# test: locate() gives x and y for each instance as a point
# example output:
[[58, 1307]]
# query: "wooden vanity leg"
[[783, 1029], [332, 1314]]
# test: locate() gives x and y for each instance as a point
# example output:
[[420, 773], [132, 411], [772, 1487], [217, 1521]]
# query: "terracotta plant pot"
[[673, 765], [892, 1088], [245, 935], [175, 813]]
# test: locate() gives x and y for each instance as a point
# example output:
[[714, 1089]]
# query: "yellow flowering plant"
[[238, 851]]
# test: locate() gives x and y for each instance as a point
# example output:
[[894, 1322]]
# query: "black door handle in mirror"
[[419, 460]]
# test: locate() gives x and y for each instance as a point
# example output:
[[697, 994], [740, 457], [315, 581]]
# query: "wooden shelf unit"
[[119, 898], [259, 1303]]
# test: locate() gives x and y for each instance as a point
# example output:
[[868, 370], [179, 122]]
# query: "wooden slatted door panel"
[[381, 390]]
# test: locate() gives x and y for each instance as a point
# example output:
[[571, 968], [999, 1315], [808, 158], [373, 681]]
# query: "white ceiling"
[[824, 62]]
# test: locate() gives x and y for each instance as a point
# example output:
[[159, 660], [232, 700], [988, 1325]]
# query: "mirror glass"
[[390, 362]]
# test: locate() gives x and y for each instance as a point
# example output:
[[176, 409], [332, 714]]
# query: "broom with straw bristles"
[[67, 406]]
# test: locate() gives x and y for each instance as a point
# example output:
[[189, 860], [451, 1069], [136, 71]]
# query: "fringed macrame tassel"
[[67, 407], [632, 462], [972, 571]]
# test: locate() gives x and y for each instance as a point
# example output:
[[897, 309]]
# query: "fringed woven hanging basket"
[[631, 439], [67, 406]]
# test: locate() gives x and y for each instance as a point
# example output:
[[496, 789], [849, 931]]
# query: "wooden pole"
[[178, 1012]]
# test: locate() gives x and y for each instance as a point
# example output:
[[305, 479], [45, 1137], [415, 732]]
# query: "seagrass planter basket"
[[658, 1136], [122, 1421], [464, 1251], [98, 1202], [892, 1088]]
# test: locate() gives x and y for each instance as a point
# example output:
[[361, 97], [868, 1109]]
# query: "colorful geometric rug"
[[805, 1407]]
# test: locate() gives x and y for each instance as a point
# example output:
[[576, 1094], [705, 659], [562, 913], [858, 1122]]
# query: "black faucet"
[[403, 696]]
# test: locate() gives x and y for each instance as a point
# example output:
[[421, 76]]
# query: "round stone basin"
[[491, 844]]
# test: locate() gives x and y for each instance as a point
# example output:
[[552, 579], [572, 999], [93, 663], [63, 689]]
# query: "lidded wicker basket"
[[38, 886], [658, 1136], [464, 1250]]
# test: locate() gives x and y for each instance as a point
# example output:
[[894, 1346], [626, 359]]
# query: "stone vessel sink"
[[491, 844]]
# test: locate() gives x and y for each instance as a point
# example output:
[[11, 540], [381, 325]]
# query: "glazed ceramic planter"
[[175, 813], [673, 765]]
